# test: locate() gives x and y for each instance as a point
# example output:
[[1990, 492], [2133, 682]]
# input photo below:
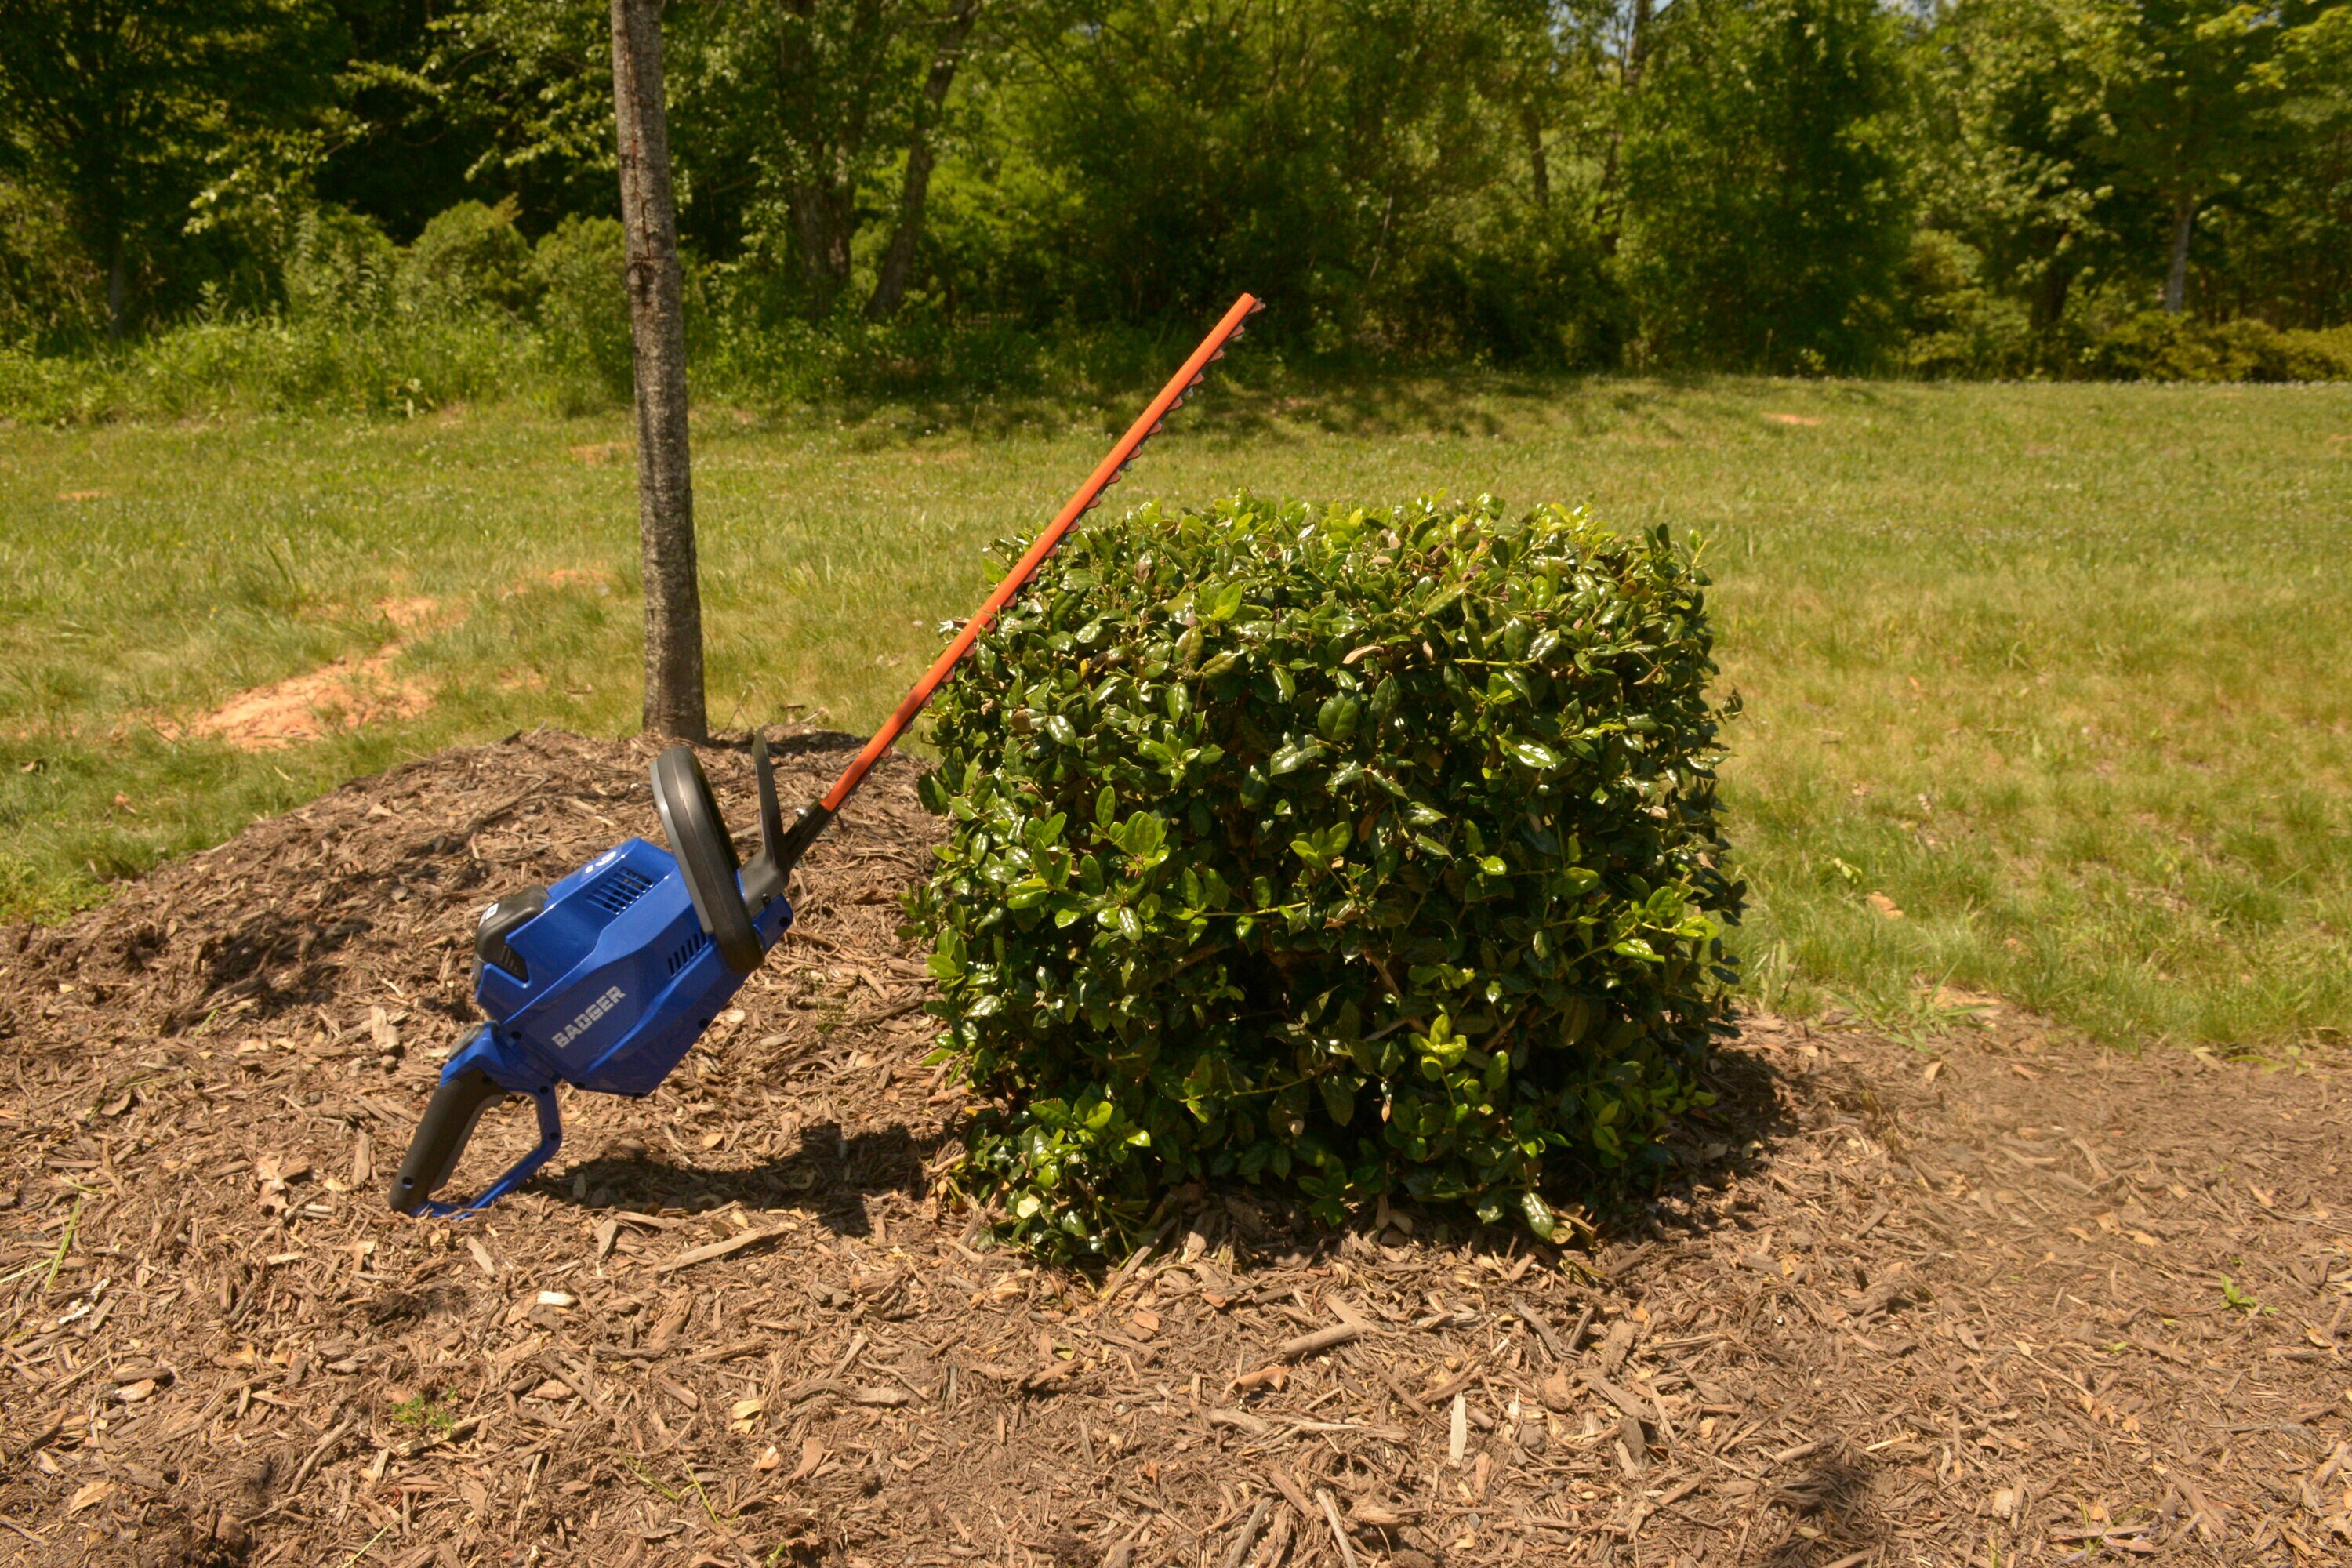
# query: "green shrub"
[[1359, 849], [468, 258], [581, 271], [400, 366], [2153, 346], [341, 268], [50, 292], [1954, 325]]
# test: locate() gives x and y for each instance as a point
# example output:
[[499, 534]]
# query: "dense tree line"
[[1980, 187]]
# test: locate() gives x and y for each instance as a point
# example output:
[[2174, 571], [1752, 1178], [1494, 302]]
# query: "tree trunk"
[[825, 220], [1608, 214], [1636, 43], [674, 699], [899, 260], [2176, 276], [114, 302], [2048, 306], [1531, 126]]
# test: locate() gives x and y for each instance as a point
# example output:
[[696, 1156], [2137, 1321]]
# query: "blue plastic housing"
[[630, 977], [622, 981]]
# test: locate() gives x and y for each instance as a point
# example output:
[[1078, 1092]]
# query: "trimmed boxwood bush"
[[1359, 849]]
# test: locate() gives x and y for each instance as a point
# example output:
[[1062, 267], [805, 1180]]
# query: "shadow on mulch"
[[1833, 1496], [832, 1177], [1719, 1154], [797, 743]]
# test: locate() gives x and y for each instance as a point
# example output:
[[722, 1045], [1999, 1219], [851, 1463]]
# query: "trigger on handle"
[[441, 1137]]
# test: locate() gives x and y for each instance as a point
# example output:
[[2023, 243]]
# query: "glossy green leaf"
[[1290, 758]]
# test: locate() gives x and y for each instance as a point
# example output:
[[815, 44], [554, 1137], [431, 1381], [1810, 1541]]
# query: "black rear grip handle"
[[441, 1138]]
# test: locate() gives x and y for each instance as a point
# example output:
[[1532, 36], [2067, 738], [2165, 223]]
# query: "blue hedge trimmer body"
[[604, 980]]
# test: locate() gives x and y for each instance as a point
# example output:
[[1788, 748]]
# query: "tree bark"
[[899, 260], [2048, 305], [2176, 276], [1539, 166], [1607, 215], [825, 220], [673, 695]]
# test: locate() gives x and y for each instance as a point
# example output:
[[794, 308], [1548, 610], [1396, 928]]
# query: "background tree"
[[2289, 246], [1150, 156], [124, 107], [891, 192], [953, 35], [674, 697], [1765, 205], [815, 109], [2007, 149], [402, 147], [530, 82], [2184, 102]]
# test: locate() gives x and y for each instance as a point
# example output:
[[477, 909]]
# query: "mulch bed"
[[2006, 1300]]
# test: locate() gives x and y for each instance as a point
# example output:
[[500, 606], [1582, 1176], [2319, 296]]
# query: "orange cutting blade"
[[1106, 474]]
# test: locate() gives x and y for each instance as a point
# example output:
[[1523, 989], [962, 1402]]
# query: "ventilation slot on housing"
[[687, 950], [619, 889]]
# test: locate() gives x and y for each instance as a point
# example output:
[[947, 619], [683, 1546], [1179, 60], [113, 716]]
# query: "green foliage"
[[1765, 198], [400, 365], [2082, 146], [2007, 165], [469, 257], [2184, 106], [341, 268], [50, 295], [1176, 151], [1356, 849], [579, 272], [1534, 289], [133, 114], [424, 1412], [909, 195], [2152, 346], [1954, 324]]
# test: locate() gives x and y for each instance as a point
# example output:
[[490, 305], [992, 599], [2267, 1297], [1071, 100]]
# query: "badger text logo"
[[595, 1010]]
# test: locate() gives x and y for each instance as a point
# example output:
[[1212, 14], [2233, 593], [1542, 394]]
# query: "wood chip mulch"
[[2002, 1300]]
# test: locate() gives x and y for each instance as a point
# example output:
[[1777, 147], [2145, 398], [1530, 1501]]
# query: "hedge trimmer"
[[604, 980]]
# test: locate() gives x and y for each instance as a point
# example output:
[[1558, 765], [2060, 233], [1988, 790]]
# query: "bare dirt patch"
[[2036, 1305], [1804, 419], [344, 695], [347, 694]]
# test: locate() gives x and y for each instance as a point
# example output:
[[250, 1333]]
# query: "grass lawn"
[[2062, 673]]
